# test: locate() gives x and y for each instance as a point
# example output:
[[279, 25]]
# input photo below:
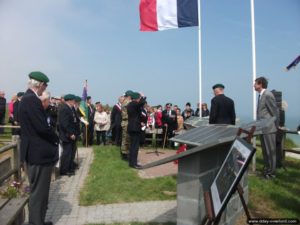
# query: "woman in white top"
[[101, 121]]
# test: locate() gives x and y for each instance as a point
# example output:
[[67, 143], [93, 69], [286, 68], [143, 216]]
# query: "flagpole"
[[200, 58], [253, 57], [254, 75]]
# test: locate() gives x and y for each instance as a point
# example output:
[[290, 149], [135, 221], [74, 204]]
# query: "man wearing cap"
[[2, 110], [39, 147], [134, 127], [78, 115], [125, 140], [222, 109], [88, 129], [67, 134]]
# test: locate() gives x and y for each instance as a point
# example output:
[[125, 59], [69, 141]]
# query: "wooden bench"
[[11, 210]]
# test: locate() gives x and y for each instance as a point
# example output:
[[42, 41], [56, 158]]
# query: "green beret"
[[77, 99], [135, 95], [218, 86], [20, 94], [128, 93], [69, 97], [39, 76]]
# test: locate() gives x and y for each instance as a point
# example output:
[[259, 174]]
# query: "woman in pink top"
[[158, 117]]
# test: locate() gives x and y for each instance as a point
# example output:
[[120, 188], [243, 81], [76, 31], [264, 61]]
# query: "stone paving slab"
[[64, 206], [147, 156]]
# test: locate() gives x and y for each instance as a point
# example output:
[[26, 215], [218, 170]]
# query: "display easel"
[[210, 217], [156, 150]]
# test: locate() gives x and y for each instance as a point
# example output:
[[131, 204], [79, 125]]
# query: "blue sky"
[[99, 40]]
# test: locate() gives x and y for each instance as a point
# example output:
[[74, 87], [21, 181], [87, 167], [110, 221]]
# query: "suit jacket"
[[267, 109], [78, 114], [116, 116], [91, 113], [222, 110], [134, 115], [39, 143], [16, 131], [2, 108], [170, 120], [67, 123]]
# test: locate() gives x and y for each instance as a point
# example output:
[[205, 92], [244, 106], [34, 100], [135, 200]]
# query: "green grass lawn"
[[279, 197], [110, 180]]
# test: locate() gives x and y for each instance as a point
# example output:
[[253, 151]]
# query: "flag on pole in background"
[[83, 106], [293, 64], [156, 15]]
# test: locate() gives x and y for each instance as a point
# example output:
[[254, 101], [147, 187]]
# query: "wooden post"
[[16, 160], [241, 192], [86, 135], [165, 137]]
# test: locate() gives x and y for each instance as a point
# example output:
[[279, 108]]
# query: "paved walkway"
[[64, 206]]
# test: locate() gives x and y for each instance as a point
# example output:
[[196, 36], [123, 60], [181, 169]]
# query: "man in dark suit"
[[91, 114], [2, 110], [222, 109], [67, 134], [134, 127], [116, 120], [16, 120], [39, 147], [266, 109], [169, 121]]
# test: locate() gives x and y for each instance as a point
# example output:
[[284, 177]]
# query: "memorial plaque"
[[230, 174]]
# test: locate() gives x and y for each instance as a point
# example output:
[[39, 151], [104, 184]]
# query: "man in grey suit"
[[266, 109]]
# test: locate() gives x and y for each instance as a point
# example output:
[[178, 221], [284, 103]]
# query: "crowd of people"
[[119, 125], [101, 124], [49, 122]]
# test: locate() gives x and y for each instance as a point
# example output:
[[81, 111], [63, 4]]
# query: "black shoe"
[[48, 223], [137, 166], [71, 173], [124, 156], [269, 176], [75, 165]]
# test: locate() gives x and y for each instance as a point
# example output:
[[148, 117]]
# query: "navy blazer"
[[67, 123], [222, 110], [170, 120], [134, 115], [39, 143]]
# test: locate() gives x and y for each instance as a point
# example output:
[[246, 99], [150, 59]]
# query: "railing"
[[8, 168], [292, 150], [11, 208]]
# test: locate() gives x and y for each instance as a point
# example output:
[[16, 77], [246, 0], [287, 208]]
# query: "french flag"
[[156, 15]]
